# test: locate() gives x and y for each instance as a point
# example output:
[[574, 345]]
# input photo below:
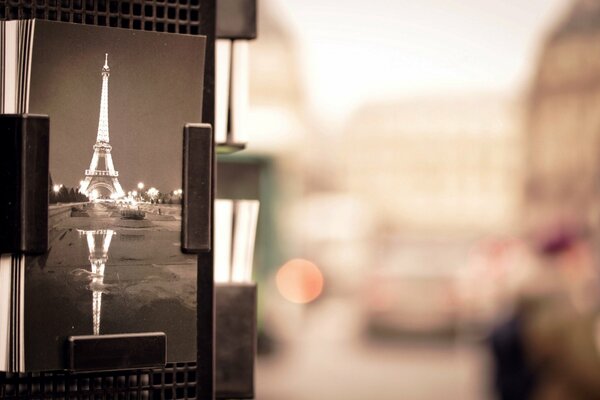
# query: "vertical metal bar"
[[138, 376], [185, 386], [205, 377]]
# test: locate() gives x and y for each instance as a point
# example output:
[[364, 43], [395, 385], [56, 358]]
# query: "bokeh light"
[[299, 281]]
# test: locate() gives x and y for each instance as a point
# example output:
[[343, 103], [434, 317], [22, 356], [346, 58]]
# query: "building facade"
[[438, 164], [562, 126]]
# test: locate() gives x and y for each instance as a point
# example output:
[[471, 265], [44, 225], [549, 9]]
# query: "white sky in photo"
[[353, 51]]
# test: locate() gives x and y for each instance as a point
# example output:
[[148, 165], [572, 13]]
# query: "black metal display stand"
[[140, 358], [174, 381], [236, 325], [235, 340], [24, 164]]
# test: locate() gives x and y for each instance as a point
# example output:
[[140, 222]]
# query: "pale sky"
[[356, 50]]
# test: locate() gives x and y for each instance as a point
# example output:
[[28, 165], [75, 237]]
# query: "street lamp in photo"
[[54, 195], [176, 197], [140, 191], [152, 193]]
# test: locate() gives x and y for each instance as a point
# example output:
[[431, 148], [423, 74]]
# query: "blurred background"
[[421, 165]]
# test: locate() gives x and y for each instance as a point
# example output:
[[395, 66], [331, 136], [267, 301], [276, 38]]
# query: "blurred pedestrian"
[[548, 349]]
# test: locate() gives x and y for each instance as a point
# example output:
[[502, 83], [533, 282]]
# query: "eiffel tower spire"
[[103, 120], [102, 176]]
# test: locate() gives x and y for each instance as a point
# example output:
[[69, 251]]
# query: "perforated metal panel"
[[175, 16], [175, 381]]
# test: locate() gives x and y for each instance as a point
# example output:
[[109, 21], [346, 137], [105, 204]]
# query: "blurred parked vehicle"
[[444, 285], [415, 299], [413, 289]]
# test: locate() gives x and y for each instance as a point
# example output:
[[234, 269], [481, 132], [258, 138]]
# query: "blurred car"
[[429, 285], [411, 300], [413, 289]]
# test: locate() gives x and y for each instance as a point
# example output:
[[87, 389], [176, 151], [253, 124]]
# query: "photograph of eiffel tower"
[[149, 194], [138, 119], [114, 264], [102, 176]]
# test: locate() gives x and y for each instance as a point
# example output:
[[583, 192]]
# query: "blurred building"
[[563, 123], [436, 164], [277, 101], [277, 128], [302, 168]]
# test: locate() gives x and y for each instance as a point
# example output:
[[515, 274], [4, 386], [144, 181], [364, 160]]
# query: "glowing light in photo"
[[152, 192]]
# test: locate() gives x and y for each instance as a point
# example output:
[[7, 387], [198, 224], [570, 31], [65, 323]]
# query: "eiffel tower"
[[104, 177], [98, 244]]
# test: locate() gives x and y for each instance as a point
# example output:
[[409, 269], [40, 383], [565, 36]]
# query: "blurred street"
[[422, 194], [330, 359]]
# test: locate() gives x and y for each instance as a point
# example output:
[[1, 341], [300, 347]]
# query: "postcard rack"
[[128, 365], [175, 380]]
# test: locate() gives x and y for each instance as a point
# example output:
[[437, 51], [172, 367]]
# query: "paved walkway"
[[328, 360]]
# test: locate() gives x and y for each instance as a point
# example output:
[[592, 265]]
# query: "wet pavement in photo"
[[107, 275]]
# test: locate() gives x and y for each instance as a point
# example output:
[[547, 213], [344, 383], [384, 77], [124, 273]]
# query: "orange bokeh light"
[[299, 281]]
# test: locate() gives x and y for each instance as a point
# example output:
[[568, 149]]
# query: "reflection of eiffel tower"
[[98, 243], [105, 177]]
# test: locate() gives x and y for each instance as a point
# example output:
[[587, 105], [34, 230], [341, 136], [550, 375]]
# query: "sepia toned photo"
[[117, 102]]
